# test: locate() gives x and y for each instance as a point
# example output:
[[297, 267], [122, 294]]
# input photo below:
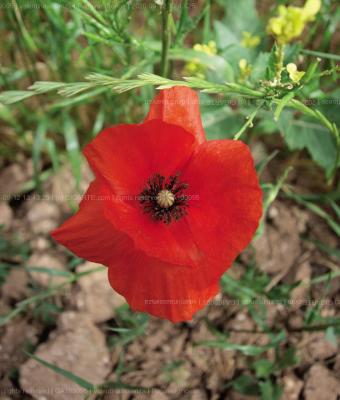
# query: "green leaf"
[[4, 271], [134, 325], [336, 209], [249, 350], [288, 358], [53, 153], [310, 71], [237, 288], [50, 271], [241, 16], [282, 103], [270, 191], [320, 54], [7, 115], [224, 36], [46, 312], [13, 96], [220, 68], [259, 67], [271, 65], [246, 349], [305, 133], [263, 368], [219, 120], [67, 374], [317, 210], [331, 251], [247, 385], [270, 391], [39, 141], [331, 336]]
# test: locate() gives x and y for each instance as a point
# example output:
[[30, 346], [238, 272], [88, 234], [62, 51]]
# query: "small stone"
[[13, 177], [321, 384], [292, 387], [197, 394], [47, 260], [299, 294], [40, 243], [15, 286], [317, 347], [43, 216], [96, 297], [158, 395], [77, 346], [6, 214], [62, 188], [279, 246]]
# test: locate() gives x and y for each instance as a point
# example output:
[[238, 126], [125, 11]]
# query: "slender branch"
[[120, 85], [307, 328], [166, 37], [249, 122]]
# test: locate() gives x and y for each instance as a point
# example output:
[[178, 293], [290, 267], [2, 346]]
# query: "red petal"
[[127, 155], [171, 243], [164, 290], [180, 106], [88, 233], [225, 217]]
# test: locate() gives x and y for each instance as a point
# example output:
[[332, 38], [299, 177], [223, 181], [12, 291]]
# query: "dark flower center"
[[164, 199]]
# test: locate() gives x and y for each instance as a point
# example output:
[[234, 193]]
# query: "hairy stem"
[[166, 37], [279, 62]]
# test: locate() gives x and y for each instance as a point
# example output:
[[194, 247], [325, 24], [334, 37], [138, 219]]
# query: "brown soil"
[[164, 358]]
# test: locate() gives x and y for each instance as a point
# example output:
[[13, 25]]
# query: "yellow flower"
[[194, 67], [311, 8], [249, 40], [291, 21], [209, 48], [293, 72], [245, 69]]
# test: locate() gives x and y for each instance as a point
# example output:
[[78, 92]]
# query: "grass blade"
[[67, 374]]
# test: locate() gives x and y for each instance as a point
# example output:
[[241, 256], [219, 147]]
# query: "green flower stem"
[[330, 56], [249, 122], [166, 37], [279, 62], [120, 85]]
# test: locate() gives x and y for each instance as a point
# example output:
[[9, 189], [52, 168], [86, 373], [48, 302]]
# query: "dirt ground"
[[71, 331]]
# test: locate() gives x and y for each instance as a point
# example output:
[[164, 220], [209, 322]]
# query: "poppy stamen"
[[164, 199]]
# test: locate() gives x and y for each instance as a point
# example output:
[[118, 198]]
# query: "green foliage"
[[43, 295], [242, 16], [305, 133], [131, 325], [67, 374], [12, 252], [85, 384], [246, 385], [248, 350], [67, 61], [334, 223], [263, 383], [263, 368], [172, 371], [47, 312]]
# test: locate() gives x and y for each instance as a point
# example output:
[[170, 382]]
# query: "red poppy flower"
[[168, 211]]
